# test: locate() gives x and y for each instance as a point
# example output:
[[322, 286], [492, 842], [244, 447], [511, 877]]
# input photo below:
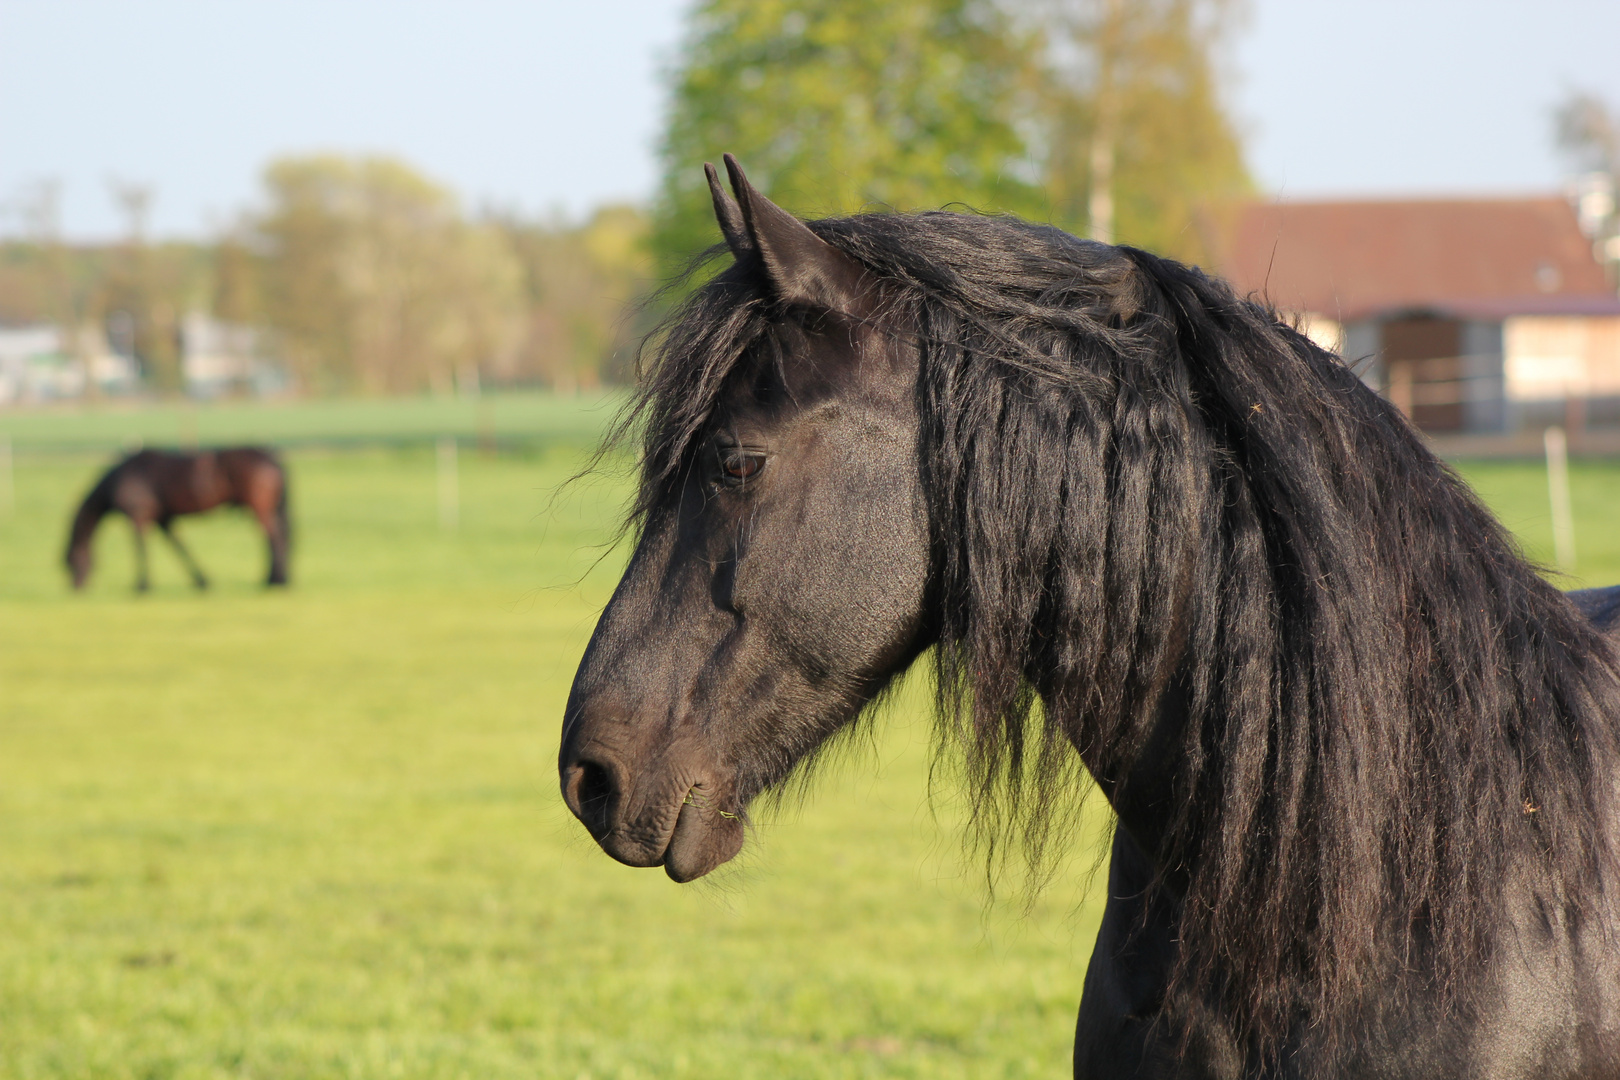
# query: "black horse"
[[153, 487], [1363, 758]]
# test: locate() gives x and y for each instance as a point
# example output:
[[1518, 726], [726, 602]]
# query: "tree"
[[583, 287], [1139, 135], [238, 279], [375, 282], [36, 283], [1101, 116], [840, 105], [1588, 134], [127, 294], [141, 291]]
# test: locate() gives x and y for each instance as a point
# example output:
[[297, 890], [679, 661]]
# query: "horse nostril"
[[595, 784], [589, 790]]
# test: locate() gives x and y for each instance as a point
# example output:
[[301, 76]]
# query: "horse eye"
[[739, 465]]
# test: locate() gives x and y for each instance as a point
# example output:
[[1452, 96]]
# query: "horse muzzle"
[[666, 811]]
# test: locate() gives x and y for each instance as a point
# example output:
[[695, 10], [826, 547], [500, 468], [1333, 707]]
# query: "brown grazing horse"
[[153, 487]]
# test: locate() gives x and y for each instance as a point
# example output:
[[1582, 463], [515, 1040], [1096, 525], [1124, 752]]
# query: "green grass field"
[[316, 833], [112, 423]]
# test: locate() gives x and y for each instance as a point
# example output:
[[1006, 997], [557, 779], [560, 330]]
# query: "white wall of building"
[[1550, 357]]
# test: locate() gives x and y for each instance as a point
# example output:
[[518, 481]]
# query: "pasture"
[[317, 833]]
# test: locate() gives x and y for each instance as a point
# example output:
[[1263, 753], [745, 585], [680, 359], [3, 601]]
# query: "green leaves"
[[839, 106]]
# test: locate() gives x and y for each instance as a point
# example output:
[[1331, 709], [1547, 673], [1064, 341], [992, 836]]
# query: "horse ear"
[[730, 217], [799, 266]]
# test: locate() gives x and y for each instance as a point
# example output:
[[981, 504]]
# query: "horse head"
[[78, 560], [778, 582], [1332, 707]]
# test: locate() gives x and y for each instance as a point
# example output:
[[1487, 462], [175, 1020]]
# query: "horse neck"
[[96, 506], [1142, 792], [1133, 741], [1139, 762]]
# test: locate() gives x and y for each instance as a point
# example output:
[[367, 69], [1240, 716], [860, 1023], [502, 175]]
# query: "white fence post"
[[449, 486], [8, 484], [1563, 517]]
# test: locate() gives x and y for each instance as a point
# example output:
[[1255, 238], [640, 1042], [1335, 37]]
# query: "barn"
[[1476, 316]]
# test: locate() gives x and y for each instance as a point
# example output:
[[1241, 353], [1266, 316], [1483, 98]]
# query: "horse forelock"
[[1137, 479], [683, 366]]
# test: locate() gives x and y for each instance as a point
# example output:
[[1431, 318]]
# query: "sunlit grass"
[[316, 833], [113, 423], [1517, 492]]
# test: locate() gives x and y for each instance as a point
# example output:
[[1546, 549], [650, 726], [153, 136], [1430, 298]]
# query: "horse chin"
[[703, 839]]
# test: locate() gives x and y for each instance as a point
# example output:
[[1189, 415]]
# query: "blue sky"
[[545, 105]]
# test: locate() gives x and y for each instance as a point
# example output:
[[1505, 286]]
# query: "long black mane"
[[1141, 484]]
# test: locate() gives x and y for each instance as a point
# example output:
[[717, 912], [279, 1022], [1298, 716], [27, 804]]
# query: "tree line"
[[1104, 117], [362, 276]]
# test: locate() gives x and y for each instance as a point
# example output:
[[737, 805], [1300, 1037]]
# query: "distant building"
[[41, 363], [218, 358], [1472, 315]]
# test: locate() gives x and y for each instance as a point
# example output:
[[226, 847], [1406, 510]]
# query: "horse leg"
[[142, 581], [275, 531], [198, 578]]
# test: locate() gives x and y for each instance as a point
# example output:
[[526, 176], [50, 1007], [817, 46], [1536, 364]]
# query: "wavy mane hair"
[[1138, 481]]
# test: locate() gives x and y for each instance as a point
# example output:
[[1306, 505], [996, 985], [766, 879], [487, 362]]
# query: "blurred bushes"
[[1104, 117], [584, 288], [368, 278], [375, 281]]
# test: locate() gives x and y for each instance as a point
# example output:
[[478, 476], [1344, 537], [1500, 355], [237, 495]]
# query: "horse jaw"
[[704, 838]]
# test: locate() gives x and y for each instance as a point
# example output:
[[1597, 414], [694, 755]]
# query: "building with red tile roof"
[[1470, 313]]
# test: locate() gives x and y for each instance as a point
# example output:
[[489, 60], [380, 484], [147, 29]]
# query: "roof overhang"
[[1492, 309]]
